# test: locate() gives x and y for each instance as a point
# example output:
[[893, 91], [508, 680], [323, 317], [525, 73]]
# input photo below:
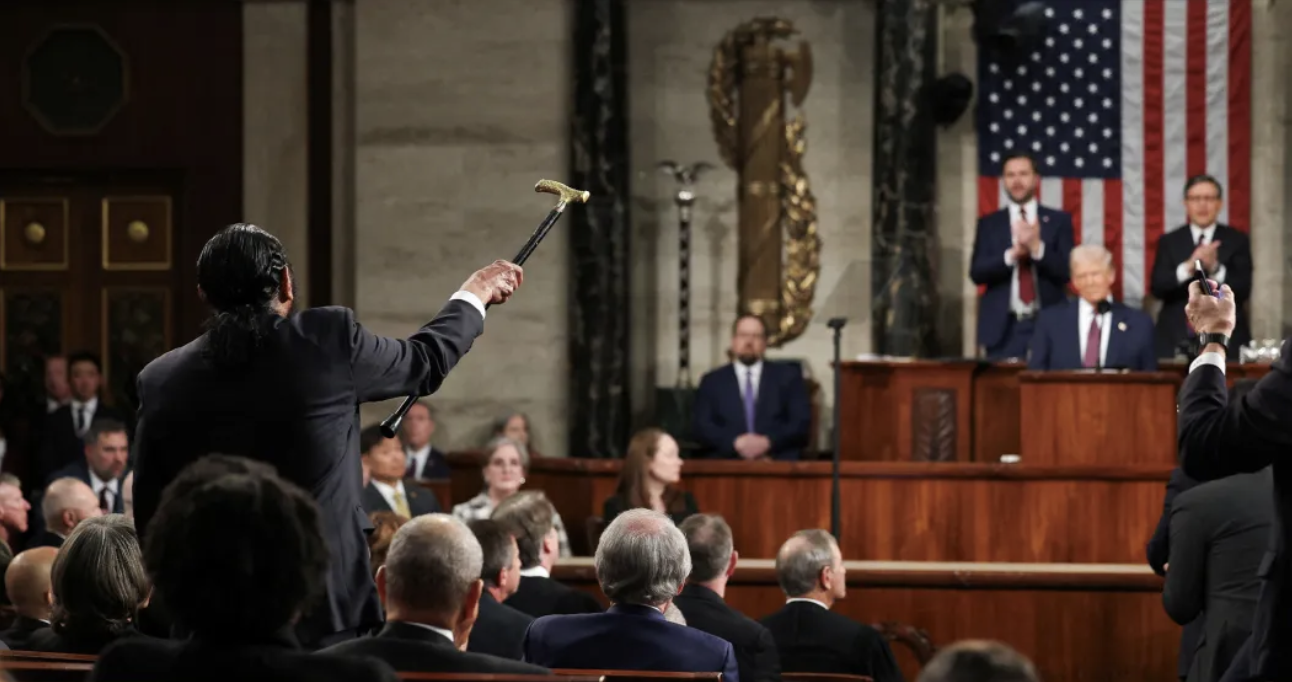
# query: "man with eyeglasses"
[[1226, 255]]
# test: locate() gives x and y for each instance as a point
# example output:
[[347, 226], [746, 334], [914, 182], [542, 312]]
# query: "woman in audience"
[[99, 587], [384, 525], [506, 462], [651, 470], [515, 425]]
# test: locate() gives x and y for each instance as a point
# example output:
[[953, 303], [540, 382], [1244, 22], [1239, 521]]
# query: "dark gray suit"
[[1219, 532], [297, 408]]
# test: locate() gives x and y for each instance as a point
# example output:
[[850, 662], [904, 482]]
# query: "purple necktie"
[[1092, 343], [749, 399]]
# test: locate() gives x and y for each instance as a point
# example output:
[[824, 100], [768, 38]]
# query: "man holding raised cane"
[[1218, 439], [283, 387]]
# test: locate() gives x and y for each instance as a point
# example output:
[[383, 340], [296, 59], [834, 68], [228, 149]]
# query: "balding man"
[[66, 502], [1094, 331], [431, 587], [27, 584], [642, 563], [811, 638]]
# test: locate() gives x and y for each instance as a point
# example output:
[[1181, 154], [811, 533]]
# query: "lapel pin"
[[1121, 326]]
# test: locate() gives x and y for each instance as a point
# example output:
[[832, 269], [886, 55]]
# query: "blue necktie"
[[749, 400]]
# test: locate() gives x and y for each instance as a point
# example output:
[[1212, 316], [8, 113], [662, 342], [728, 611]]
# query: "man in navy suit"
[[1226, 255], [642, 563], [1020, 254], [752, 408], [103, 464], [387, 489], [1079, 334]]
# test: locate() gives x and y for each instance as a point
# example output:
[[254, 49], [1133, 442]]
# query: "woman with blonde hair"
[[648, 479]]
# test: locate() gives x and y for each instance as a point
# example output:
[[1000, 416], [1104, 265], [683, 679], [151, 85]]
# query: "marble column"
[[905, 172], [599, 410]]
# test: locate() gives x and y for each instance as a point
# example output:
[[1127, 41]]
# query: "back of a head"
[[642, 559], [98, 578], [28, 579], [239, 273], [800, 560], [529, 515], [495, 546], [432, 562], [252, 552], [63, 494], [978, 661], [709, 542]]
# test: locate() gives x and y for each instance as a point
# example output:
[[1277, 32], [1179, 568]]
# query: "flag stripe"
[[1113, 232], [1195, 92], [1240, 102], [1128, 245], [1052, 193], [1175, 128], [1217, 94], [988, 195], [1088, 216]]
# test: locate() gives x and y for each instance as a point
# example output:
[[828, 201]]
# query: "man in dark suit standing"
[[713, 562], [1219, 532], [1020, 254], [425, 461], [1093, 331], [1158, 550], [500, 629], [284, 388], [1226, 255], [387, 490], [752, 408], [529, 516], [64, 435], [642, 563], [1219, 438]]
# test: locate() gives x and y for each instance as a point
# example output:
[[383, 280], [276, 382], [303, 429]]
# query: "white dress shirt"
[[1016, 304], [98, 484], [469, 298], [432, 628], [90, 407], [388, 493], [1085, 316], [1209, 358], [791, 600], [535, 572], [745, 374], [418, 458], [1183, 271]]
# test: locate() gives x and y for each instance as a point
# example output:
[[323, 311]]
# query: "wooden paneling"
[[907, 411], [33, 233], [996, 411], [1086, 418], [1076, 622]]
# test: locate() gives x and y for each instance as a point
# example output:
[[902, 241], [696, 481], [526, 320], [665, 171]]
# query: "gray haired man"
[[809, 636], [642, 563]]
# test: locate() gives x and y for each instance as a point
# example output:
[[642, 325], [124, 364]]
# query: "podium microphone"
[[1101, 309]]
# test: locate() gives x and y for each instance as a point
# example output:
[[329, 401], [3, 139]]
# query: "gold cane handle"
[[567, 194]]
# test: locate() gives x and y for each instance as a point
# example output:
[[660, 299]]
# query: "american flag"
[[1119, 103]]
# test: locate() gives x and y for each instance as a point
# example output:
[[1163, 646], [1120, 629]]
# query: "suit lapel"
[[1073, 324], [1118, 317]]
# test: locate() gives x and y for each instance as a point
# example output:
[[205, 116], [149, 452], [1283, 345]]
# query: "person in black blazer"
[[713, 561], [27, 583], [528, 515], [66, 427], [103, 465], [431, 587], [500, 629], [1219, 438], [283, 387], [387, 489], [425, 461], [651, 469], [752, 408], [1159, 553], [1226, 255], [810, 638], [1219, 531]]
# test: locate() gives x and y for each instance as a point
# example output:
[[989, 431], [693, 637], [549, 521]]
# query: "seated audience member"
[[500, 629], [102, 465], [978, 661], [515, 425], [384, 525], [425, 461], [506, 462], [99, 586], [1219, 533], [673, 614], [387, 490], [1075, 335], [65, 430], [752, 408], [713, 561], [253, 560], [651, 469], [13, 517], [529, 517], [431, 588], [810, 638], [641, 563], [27, 582], [66, 502]]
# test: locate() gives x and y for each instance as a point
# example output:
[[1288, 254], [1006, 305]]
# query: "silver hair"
[[642, 559], [432, 562], [1091, 253], [503, 441], [801, 559], [61, 495], [673, 614]]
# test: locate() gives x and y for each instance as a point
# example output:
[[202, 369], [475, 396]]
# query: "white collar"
[[535, 572], [92, 404], [791, 600], [741, 369], [387, 489], [1088, 309], [419, 452], [447, 634], [1209, 230], [98, 484], [1031, 205]]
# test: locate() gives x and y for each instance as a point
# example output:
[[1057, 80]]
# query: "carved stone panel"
[[933, 425], [137, 233], [33, 233], [136, 329]]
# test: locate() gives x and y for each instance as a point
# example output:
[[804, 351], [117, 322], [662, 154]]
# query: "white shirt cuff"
[[469, 298], [1209, 358], [1182, 273], [1009, 257], [1039, 253], [1219, 275]]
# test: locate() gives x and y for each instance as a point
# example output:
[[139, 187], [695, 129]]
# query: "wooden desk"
[[1077, 622], [1098, 418], [892, 511]]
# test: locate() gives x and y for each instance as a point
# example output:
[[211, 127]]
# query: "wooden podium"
[[911, 411], [1088, 417]]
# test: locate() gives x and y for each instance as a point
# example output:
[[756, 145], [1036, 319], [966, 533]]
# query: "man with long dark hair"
[[284, 387]]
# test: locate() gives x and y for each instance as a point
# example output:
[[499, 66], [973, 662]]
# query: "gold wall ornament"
[[779, 246], [137, 230], [34, 232]]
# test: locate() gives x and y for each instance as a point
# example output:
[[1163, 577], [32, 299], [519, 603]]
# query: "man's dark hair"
[[370, 438], [101, 426], [495, 540], [708, 538], [1199, 179], [98, 580], [748, 316], [1018, 155], [239, 272], [978, 661], [529, 516], [252, 581], [83, 356]]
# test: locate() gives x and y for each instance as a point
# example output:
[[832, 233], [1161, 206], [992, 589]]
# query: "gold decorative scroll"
[[779, 247]]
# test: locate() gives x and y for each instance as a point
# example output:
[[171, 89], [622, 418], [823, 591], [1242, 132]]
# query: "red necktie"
[[1093, 340], [1026, 282]]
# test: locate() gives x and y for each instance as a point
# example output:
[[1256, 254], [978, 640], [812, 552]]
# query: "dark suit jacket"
[[1219, 532], [1174, 248], [1056, 343], [782, 411], [80, 470], [987, 268], [755, 649], [811, 639], [277, 659], [46, 539], [62, 446], [1218, 438], [1159, 553], [499, 630], [436, 466], [538, 596], [411, 648], [48, 640], [18, 636], [616, 505], [420, 500], [296, 408], [627, 637]]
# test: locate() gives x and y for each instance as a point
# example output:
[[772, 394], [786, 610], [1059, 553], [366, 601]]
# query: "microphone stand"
[[836, 527]]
